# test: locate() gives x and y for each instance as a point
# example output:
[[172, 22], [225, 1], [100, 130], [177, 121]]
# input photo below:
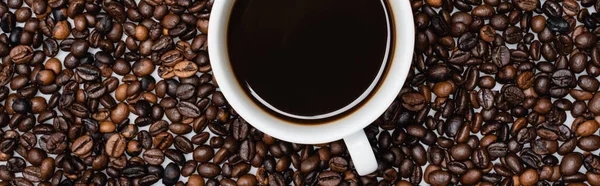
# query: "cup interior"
[[400, 57]]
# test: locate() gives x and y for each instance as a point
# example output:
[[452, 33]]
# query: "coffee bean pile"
[[491, 90], [487, 100]]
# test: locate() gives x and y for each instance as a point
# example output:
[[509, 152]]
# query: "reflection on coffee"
[[309, 59]]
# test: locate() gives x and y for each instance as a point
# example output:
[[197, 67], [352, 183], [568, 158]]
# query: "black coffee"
[[308, 59]]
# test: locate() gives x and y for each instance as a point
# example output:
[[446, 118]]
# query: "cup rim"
[[400, 56]]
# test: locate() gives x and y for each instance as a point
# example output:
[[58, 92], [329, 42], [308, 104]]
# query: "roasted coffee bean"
[[142, 68], [35, 156], [571, 163], [585, 40], [552, 9], [154, 156], [162, 140], [497, 149], [82, 145], [171, 175], [6, 174], [15, 164], [208, 170], [501, 56], [142, 108], [329, 178], [115, 145], [88, 72], [149, 179], [183, 144], [563, 78], [188, 109], [185, 69], [512, 35], [47, 168], [589, 143], [171, 58], [21, 54], [134, 171], [557, 25], [32, 174], [526, 5], [21, 106], [439, 178]]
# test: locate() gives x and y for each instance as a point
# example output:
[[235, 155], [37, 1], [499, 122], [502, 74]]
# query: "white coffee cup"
[[348, 127]]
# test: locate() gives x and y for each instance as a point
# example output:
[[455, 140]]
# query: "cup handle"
[[361, 153]]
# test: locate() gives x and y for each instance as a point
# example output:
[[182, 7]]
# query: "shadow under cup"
[[349, 127]]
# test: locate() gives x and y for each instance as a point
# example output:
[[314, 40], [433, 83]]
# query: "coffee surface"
[[308, 59]]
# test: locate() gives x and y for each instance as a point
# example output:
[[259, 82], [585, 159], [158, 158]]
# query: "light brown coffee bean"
[[115, 145], [185, 69], [82, 146]]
